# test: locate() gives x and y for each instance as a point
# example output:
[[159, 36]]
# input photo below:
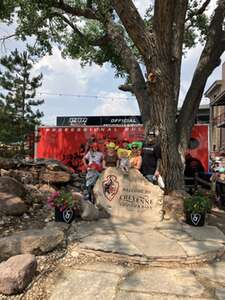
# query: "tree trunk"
[[163, 97]]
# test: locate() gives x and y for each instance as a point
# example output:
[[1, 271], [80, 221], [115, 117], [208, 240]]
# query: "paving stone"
[[176, 235], [116, 243], [158, 280], [214, 272], [122, 295], [105, 267], [205, 233], [154, 244], [169, 225], [85, 285], [220, 294], [195, 248], [86, 229]]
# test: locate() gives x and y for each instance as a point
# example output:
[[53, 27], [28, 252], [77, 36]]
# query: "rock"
[[12, 186], [7, 164], [20, 175], [16, 273], [46, 188], [30, 241], [103, 214], [129, 196], [12, 205], [89, 211], [55, 176], [78, 197], [11, 192], [4, 172]]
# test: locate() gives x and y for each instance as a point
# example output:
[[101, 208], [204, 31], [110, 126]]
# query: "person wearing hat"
[[111, 157], [135, 155], [151, 156], [93, 156], [93, 164]]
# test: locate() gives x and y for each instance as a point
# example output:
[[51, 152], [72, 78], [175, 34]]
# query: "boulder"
[[6, 163], [12, 205], [55, 176], [11, 186], [20, 175], [78, 197], [129, 196], [35, 241], [16, 273], [89, 211]]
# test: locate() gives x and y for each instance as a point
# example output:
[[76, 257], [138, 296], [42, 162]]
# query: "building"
[[216, 95]]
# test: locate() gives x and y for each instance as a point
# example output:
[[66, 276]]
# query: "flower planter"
[[66, 216], [195, 219]]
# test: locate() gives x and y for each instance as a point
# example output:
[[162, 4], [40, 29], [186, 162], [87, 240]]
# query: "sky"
[[94, 89]]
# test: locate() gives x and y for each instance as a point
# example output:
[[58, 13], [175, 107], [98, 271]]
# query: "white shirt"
[[94, 157]]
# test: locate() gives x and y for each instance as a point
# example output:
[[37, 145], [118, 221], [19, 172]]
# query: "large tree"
[[18, 98], [146, 51]]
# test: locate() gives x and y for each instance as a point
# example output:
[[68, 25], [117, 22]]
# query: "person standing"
[[111, 157], [151, 156], [93, 164], [135, 156]]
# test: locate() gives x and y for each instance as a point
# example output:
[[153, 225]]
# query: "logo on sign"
[[78, 121], [195, 218], [110, 187], [67, 215]]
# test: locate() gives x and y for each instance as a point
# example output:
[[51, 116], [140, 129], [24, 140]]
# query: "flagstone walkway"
[[143, 261]]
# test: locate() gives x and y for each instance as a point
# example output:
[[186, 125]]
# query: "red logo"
[[110, 187]]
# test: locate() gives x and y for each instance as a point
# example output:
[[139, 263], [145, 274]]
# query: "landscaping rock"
[[129, 196], [55, 176], [12, 205], [7, 164], [31, 241], [16, 273], [11, 186], [89, 211]]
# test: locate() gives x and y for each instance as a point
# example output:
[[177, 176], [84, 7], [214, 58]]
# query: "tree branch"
[[209, 60], [134, 25], [163, 20], [4, 38], [201, 10], [101, 41], [203, 7], [76, 11], [126, 88], [133, 69], [179, 14]]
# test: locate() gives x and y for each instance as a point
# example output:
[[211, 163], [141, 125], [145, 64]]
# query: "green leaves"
[[18, 119], [200, 202]]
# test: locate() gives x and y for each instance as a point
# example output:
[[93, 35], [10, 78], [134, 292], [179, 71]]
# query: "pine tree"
[[18, 118]]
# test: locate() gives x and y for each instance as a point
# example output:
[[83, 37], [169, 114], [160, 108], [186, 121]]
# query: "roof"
[[216, 84]]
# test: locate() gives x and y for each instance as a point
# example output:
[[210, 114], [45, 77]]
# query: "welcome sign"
[[129, 196]]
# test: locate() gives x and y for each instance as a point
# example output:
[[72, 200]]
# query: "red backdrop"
[[56, 141]]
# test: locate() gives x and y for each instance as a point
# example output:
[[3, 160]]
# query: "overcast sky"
[[65, 76]]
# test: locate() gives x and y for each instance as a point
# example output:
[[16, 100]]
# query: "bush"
[[200, 202]]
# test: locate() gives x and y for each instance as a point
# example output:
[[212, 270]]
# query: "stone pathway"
[[162, 257], [151, 242], [106, 281]]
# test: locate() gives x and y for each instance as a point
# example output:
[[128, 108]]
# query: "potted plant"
[[196, 207], [63, 203]]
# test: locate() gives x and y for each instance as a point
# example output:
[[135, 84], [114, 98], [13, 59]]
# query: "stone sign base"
[[129, 196]]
